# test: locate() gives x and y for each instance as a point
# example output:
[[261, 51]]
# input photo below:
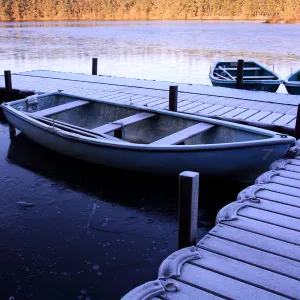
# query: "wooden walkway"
[[253, 108], [253, 252]]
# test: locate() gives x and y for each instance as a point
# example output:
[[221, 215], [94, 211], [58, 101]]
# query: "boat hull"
[[272, 88], [293, 90], [292, 83], [236, 162], [252, 69]]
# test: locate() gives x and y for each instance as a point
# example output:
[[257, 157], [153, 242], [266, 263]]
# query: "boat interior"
[[295, 76], [126, 124], [251, 71]]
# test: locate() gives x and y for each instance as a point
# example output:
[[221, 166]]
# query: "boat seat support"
[[179, 137], [59, 108], [118, 126]]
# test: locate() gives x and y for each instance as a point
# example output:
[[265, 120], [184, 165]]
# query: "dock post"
[[95, 66], [12, 132], [239, 76], [188, 208], [173, 97], [297, 126], [8, 86]]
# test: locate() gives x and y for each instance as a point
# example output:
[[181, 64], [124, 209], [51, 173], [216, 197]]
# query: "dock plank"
[[188, 292], [257, 117], [285, 181], [222, 285], [279, 208], [252, 275], [223, 110], [252, 256], [266, 229], [198, 108], [210, 109], [282, 189], [279, 220], [234, 112], [285, 119], [289, 174], [271, 118], [246, 114], [276, 197], [257, 241]]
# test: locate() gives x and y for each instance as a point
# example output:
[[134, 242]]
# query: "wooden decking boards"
[[253, 252], [237, 105]]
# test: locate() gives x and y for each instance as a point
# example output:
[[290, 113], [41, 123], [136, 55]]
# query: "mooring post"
[[95, 66], [239, 76], [188, 208], [297, 125], [8, 86], [12, 132], [173, 97]]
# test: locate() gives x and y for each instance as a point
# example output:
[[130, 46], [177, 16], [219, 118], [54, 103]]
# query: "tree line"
[[274, 10]]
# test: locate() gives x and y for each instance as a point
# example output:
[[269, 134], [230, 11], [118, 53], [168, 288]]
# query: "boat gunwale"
[[292, 83], [277, 80], [271, 137]]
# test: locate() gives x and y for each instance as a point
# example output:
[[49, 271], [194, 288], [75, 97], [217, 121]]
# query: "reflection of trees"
[[148, 9]]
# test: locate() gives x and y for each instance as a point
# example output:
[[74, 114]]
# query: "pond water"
[[179, 51], [71, 230]]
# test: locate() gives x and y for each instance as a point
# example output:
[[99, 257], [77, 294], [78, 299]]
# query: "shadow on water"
[[109, 183], [72, 230]]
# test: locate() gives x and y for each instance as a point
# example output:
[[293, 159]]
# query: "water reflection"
[[174, 51], [88, 228]]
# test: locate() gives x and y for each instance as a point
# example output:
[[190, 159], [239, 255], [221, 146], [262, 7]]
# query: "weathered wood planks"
[[254, 250], [230, 104]]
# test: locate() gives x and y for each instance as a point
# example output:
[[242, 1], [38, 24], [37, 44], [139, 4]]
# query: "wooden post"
[[188, 208], [297, 126], [8, 86], [239, 76], [95, 66], [12, 131], [173, 97]]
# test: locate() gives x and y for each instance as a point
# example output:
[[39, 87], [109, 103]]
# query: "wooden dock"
[[253, 252], [275, 110]]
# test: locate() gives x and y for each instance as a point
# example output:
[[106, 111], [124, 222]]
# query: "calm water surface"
[[93, 232], [161, 50], [90, 232]]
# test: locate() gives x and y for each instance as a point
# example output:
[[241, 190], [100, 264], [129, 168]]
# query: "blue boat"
[[255, 76], [292, 83], [144, 139]]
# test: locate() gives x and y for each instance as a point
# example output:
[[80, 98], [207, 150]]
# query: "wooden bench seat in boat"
[[59, 108], [258, 77], [246, 69], [119, 124], [180, 136]]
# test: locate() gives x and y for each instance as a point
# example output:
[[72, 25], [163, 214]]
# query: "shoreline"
[[264, 21]]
